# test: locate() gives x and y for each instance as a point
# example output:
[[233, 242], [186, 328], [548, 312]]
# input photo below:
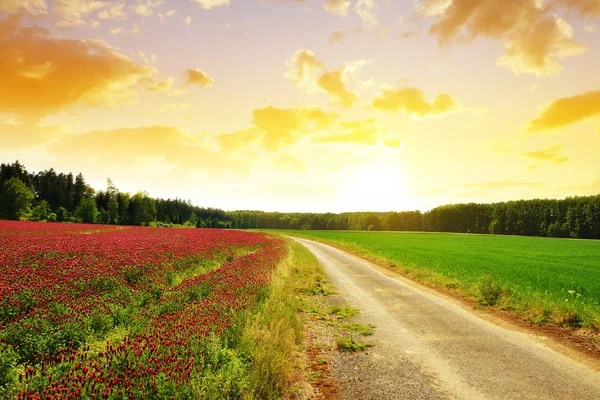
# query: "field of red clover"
[[104, 312]]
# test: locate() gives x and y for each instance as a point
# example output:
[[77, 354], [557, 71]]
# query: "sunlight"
[[376, 187]]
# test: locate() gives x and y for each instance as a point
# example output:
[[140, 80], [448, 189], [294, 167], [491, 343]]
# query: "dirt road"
[[428, 346]]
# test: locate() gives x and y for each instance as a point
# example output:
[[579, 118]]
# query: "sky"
[[307, 105]]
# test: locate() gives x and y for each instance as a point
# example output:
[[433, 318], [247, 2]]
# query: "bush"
[[490, 291]]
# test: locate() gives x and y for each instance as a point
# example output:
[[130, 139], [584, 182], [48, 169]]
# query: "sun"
[[375, 187]]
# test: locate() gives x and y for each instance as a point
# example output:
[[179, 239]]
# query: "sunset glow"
[[307, 105]]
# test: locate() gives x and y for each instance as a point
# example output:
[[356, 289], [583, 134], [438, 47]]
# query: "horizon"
[[304, 212], [306, 106]]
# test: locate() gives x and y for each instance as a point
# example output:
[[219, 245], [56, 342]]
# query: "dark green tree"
[[87, 211], [15, 199], [41, 211], [62, 215], [144, 208]]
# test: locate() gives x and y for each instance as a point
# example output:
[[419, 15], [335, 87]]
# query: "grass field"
[[542, 279]]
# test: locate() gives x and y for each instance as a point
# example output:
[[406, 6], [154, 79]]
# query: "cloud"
[[566, 111], [392, 143], [303, 67], [209, 4], [146, 8], [124, 147], [534, 87], [535, 40], [113, 11], [365, 9], [154, 85], [550, 155], [412, 102], [338, 7], [241, 140], [187, 20], [198, 77], [285, 126], [16, 136], [33, 7], [307, 70], [333, 84], [60, 72], [364, 133], [73, 12], [148, 59], [163, 17], [340, 36], [288, 163], [590, 28], [582, 7], [432, 7], [117, 30]]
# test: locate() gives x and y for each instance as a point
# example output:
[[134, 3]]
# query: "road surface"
[[428, 346]]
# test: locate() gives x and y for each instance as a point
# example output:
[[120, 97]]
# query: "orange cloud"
[[534, 38], [198, 77], [333, 84], [412, 102], [307, 70], [364, 133], [239, 140], [57, 73], [162, 145], [566, 111], [550, 155], [15, 136], [285, 126]]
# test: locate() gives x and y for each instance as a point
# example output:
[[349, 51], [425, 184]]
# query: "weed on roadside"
[[350, 345]]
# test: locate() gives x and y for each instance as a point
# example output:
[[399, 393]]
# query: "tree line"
[[59, 197]]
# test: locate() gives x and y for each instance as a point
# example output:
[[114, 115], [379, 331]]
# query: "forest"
[[58, 197]]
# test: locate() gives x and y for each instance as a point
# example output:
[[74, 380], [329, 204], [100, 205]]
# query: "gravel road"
[[428, 346]]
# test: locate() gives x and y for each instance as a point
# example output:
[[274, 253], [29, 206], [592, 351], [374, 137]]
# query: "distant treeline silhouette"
[[51, 196]]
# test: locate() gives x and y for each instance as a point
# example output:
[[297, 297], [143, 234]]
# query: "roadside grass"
[[542, 280], [348, 344], [262, 357], [279, 361], [364, 330]]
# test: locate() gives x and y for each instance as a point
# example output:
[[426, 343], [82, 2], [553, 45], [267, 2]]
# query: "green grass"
[[349, 345], [541, 279]]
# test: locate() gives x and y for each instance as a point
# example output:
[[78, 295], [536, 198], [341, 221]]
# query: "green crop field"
[[542, 279]]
